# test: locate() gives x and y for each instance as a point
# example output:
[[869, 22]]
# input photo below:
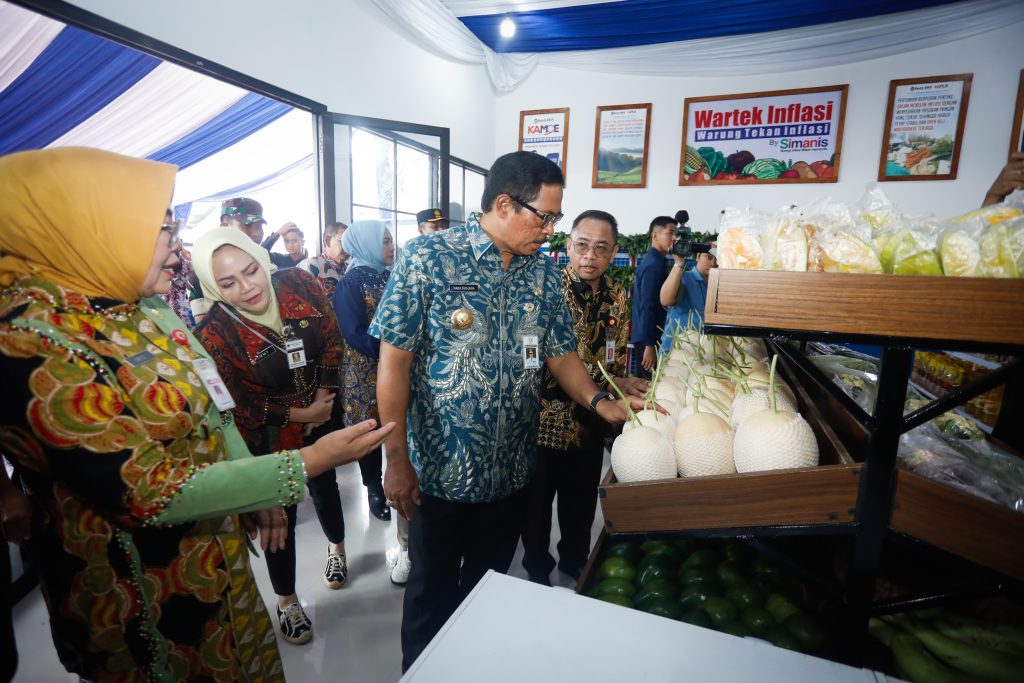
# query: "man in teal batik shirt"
[[468, 318]]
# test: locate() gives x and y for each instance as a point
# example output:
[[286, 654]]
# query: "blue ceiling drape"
[[646, 22], [237, 122], [77, 75]]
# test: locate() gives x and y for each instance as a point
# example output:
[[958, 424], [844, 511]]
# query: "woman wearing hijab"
[[117, 423], [276, 344], [371, 250]]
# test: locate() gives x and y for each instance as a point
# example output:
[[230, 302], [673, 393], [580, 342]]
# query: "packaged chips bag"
[[740, 233]]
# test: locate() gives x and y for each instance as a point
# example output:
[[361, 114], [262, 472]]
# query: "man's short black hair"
[[333, 228], [598, 215], [660, 222], [520, 175]]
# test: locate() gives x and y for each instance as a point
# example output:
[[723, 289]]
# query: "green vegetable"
[[917, 665], [1000, 637], [780, 607], [615, 599], [660, 589], [737, 553], [626, 549], [758, 619], [697, 617], [617, 568], [660, 607], [705, 558], [713, 159], [807, 630], [765, 169], [989, 665], [729, 574], [744, 596], [782, 638], [696, 594], [693, 161], [698, 575], [655, 571], [721, 610], [615, 587], [661, 548]]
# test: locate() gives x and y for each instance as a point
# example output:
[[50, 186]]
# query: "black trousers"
[[370, 466], [573, 475], [8, 648], [323, 489], [451, 546]]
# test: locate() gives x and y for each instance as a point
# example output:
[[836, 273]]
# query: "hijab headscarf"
[[202, 261], [364, 244], [82, 218]]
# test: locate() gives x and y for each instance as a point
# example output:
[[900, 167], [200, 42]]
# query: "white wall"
[[342, 53], [996, 60]]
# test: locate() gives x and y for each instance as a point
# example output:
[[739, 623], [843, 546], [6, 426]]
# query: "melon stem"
[[629, 409], [771, 384]]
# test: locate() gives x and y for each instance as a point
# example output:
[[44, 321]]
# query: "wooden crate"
[[966, 309], [960, 523], [822, 495]]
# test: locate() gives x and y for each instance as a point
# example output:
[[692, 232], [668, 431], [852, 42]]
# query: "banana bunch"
[[944, 648]]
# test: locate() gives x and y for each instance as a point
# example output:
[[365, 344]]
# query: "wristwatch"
[[598, 397]]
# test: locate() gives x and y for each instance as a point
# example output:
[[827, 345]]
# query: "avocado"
[[780, 607], [654, 571], [757, 619], [697, 617], [737, 553], [729, 574], [626, 549], [661, 548], [659, 588], [808, 632], [781, 638], [698, 574], [696, 594], [744, 596], [660, 607]]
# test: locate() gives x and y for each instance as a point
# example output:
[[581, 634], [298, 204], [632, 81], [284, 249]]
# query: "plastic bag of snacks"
[[785, 242], [1002, 249], [875, 209], [960, 248], [911, 249], [840, 244], [739, 240]]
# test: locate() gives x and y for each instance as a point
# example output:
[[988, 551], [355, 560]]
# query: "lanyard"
[[242, 323]]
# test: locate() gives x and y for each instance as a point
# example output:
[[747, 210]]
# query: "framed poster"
[[546, 132], [621, 136], [1017, 136], [779, 136], [924, 127]]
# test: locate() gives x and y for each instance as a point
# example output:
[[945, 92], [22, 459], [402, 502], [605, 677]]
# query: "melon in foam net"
[[703, 446], [642, 454]]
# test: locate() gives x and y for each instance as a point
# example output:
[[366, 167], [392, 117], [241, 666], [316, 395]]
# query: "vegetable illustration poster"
[[782, 136], [924, 125], [621, 136]]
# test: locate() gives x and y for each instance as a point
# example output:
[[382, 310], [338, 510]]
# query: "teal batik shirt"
[[473, 407]]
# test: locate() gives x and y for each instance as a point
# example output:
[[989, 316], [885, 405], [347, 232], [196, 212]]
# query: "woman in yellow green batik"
[[123, 434]]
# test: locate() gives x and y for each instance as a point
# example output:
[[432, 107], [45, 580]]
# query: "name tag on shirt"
[[609, 351], [531, 352], [213, 383], [296, 353], [457, 287], [140, 358]]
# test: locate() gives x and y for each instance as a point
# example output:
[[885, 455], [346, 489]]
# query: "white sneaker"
[[391, 556], [400, 571]]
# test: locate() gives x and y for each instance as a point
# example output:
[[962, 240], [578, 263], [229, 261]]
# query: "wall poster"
[[621, 137], [546, 132], [779, 136], [924, 127], [1017, 136]]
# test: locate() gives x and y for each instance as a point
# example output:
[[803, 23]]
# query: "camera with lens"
[[688, 243]]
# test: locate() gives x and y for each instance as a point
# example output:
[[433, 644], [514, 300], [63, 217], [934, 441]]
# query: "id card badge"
[[296, 353], [213, 383], [531, 352], [609, 351]]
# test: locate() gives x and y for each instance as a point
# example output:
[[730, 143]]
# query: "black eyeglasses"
[[172, 229], [545, 218]]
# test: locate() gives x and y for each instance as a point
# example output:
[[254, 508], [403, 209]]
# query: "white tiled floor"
[[356, 629]]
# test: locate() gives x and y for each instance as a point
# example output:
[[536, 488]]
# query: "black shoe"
[[542, 580], [570, 570], [378, 508]]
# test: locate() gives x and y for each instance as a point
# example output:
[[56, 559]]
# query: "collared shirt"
[[473, 406], [598, 318], [693, 294], [325, 269], [648, 314]]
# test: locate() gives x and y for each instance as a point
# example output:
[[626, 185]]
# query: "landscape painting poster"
[[924, 126], [546, 132], [620, 145], [781, 136]]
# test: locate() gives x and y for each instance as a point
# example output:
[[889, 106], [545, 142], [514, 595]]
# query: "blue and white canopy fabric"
[[62, 86], [689, 37]]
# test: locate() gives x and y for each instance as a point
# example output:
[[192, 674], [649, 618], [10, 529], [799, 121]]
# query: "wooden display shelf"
[[825, 495], [976, 310], [959, 523]]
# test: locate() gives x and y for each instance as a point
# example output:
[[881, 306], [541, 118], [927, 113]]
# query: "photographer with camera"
[[648, 314], [686, 292]]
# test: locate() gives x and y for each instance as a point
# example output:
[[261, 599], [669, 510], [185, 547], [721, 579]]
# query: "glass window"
[[456, 199], [373, 175], [414, 179], [474, 191]]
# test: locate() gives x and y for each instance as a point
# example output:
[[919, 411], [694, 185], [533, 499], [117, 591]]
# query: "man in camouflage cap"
[[246, 215]]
